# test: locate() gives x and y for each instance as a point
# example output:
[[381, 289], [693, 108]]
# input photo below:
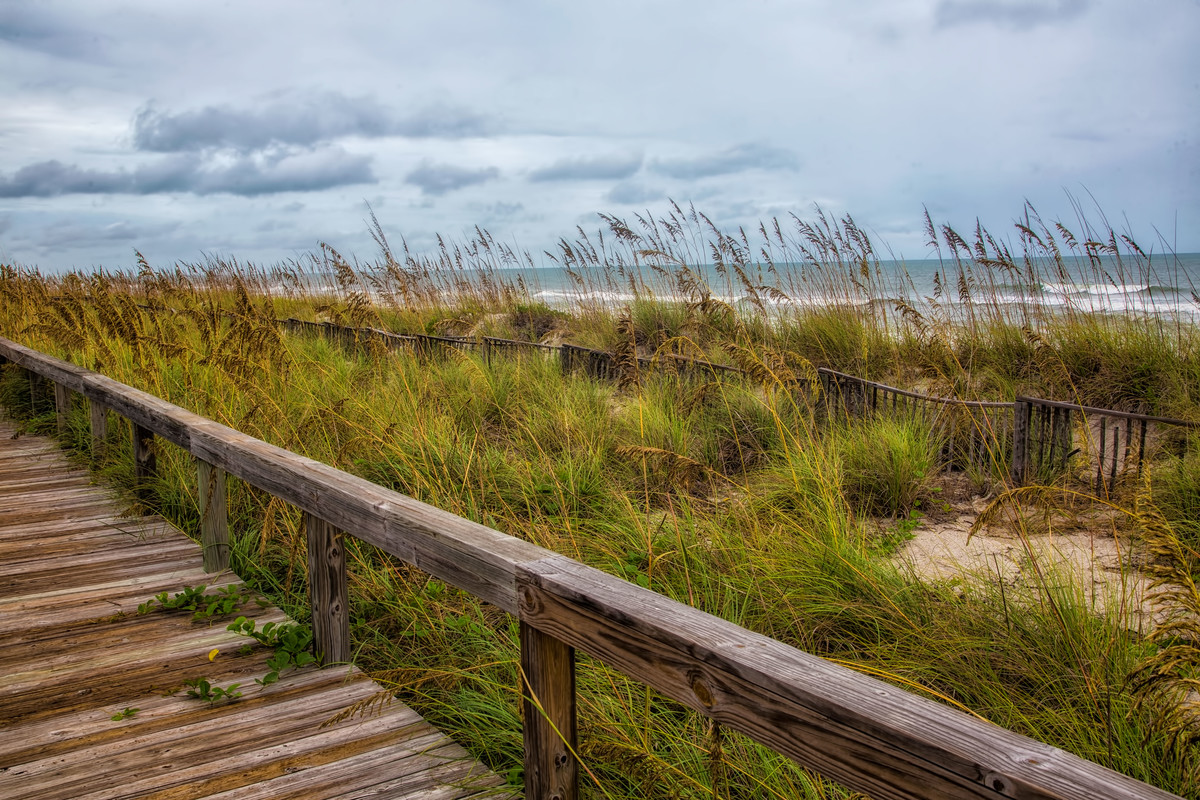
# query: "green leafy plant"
[[905, 529], [203, 606], [202, 689], [126, 713], [291, 642]]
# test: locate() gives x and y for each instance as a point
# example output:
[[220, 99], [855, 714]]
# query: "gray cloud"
[[1018, 14], [36, 28], [5, 225], [245, 175], [52, 178], [598, 168], [438, 179], [633, 193], [64, 233], [295, 119], [738, 158]]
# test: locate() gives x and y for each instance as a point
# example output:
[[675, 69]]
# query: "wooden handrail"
[[867, 734]]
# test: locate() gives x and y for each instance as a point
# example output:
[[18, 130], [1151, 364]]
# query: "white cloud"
[[530, 119]]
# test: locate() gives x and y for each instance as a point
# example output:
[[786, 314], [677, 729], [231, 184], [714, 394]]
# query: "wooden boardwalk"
[[74, 652]]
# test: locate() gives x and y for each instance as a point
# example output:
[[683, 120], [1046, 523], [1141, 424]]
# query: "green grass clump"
[[888, 465]]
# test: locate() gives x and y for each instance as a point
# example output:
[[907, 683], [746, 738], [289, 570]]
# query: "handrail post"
[[62, 405], [327, 591], [214, 516], [548, 675], [1022, 411], [98, 413], [145, 464]]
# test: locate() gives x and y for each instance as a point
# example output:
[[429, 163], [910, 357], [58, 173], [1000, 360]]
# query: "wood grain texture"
[[548, 704], [98, 414], [214, 516], [1022, 413], [327, 591], [145, 463], [866, 734], [74, 652], [62, 407]]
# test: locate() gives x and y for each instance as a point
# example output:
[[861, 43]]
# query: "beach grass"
[[743, 497]]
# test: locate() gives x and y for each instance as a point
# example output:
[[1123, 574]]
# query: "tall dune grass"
[[737, 497]]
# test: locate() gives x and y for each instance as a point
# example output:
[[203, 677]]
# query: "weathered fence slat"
[[98, 414], [548, 698], [214, 516], [145, 464], [1141, 447], [327, 591], [62, 407], [1022, 412]]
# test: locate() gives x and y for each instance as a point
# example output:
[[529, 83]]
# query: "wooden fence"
[[1049, 439], [1029, 437], [974, 433], [861, 732]]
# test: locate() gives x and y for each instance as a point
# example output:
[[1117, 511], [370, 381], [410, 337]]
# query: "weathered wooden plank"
[[39, 480], [145, 463], [548, 697], [72, 654], [20, 539], [85, 518], [98, 415], [464, 553], [214, 516], [864, 733], [327, 591], [90, 725], [1022, 411], [96, 601], [406, 767], [164, 758], [116, 550], [412, 763], [246, 768], [62, 407], [53, 369]]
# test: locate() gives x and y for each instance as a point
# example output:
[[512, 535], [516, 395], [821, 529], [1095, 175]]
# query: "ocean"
[[1166, 286]]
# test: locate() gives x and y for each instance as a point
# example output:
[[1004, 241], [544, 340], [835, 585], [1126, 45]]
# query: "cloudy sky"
[[258, 129]]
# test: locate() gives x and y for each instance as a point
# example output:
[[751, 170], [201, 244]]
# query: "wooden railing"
[[861, 732], [1036, 436], [1049, 437]]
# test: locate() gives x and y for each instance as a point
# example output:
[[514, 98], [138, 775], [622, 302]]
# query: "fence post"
[[327, 591], [214, 516], [98, 413], [62, 405], [548, 675], [145, 465], [1022, 411]]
